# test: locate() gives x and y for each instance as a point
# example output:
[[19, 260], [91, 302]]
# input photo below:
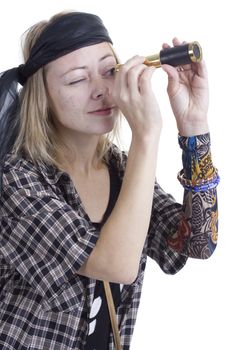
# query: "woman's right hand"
[[134, 96], [117, 254]]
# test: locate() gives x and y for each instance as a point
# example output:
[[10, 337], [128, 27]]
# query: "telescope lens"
[[196, 51]]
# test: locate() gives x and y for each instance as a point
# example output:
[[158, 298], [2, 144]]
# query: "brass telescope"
[[175, 56]]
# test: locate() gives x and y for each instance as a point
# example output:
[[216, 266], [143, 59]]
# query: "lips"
[[105, 111]]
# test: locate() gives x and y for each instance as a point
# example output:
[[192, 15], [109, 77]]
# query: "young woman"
[[74, 209]]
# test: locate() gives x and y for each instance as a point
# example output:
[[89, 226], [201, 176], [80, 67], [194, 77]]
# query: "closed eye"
[[77, 81]]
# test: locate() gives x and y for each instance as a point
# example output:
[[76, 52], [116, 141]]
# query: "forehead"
[[83, 56]]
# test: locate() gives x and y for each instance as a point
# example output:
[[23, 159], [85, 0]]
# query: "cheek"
[[68, 102]]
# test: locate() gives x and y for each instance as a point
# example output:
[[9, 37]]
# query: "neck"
[[80, 154]]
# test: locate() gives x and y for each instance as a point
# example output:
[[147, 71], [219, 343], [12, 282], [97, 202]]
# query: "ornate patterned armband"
[[198, 172], [199, 185]]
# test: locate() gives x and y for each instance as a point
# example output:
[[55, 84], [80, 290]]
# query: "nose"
[[100, 90]]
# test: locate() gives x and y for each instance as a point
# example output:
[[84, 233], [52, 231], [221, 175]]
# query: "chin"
[[105, 128]]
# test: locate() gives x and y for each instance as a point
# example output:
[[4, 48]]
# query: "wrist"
[[146, 140], [193, 129]]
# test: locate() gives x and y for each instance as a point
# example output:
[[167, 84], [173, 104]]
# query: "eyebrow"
[[85, 67]]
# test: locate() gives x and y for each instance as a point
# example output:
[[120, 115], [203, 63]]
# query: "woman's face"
[[80, 88]]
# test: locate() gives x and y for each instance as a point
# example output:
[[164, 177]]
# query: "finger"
[[145, 80], [165, 46], [134, 61], [130, 63], [201, 69], [176, 41], [121, 80], [171, 71], [133, 78]]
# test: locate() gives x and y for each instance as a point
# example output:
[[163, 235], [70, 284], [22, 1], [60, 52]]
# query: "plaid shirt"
[[46, 236]]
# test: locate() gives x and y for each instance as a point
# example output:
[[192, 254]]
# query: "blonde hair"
[[37, 136]]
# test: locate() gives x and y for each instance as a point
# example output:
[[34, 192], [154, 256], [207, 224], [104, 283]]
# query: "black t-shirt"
[[99, 320]]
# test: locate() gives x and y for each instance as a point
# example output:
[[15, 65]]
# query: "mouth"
[[105, 111]]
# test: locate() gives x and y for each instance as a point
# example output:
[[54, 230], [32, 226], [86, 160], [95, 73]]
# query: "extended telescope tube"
[[175, 56]]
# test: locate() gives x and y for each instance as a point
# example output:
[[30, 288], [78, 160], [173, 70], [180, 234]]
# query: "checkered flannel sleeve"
[[43, 238]]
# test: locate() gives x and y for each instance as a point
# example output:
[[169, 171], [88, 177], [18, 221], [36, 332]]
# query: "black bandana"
[[65, 34]]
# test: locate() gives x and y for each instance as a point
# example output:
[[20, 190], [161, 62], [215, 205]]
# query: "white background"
[[193, 309]]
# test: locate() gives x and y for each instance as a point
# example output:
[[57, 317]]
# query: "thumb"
[[173, 79]]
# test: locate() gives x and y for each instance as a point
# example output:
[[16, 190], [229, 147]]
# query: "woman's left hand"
[[189, 96]]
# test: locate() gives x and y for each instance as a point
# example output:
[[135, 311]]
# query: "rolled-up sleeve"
[[43, 238]]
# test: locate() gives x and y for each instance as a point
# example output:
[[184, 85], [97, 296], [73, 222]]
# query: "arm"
[[189, 230], [41, 235], [197, 231], [118, 251]]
